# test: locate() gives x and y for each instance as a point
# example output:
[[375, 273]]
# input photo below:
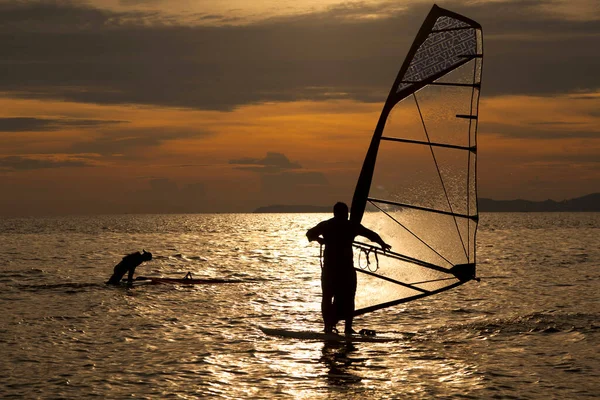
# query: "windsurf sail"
[[417, 187]]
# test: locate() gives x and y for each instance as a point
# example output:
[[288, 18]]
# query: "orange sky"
[[85, 147]]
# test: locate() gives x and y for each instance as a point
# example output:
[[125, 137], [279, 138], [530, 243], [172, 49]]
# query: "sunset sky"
[[112, 106]]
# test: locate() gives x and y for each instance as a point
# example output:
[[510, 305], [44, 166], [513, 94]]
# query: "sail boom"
[[385, 278], [376, 307], [448, 146], [433, 210], [401, 257]]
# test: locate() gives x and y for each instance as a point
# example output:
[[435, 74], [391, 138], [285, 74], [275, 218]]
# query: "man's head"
[[340, 210], [146, 255]]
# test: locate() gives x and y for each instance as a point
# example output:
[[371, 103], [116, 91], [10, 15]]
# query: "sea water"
[[529, 329]]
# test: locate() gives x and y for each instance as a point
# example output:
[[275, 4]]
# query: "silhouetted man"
[[128, 265], [338, 277]]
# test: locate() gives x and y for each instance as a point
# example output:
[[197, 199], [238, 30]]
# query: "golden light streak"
[[529, 146]]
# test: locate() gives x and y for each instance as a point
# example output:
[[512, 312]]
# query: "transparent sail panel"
[[437, 178], [436, 243], [372, 291], [465, 74], [432, 238], [445, 110], [404, 122]]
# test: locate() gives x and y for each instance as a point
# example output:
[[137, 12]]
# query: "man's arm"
[[373, 237], [133, 264], [315, 233], [130, 275]]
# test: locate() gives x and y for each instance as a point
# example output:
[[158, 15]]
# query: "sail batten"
[[450, 29], [417, 186], [447, 84], [449, 146]]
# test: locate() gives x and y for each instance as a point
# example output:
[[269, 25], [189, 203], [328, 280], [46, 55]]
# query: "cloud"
[[80, 53], [131, 3], [295, 187], [272, 163], [165, 195], [24, 124], [287, 180], [124, 142], [282, 180], [542, 130], [540, 117], [27, 163]]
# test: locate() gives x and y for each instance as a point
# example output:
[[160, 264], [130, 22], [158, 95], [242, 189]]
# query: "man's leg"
[[327, 304], [117, 275], [347, 304]]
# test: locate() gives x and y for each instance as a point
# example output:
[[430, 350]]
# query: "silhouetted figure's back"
[[338, 277], [127, 266]]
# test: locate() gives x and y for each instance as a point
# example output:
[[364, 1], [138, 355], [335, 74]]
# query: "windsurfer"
[[128, 265], [338, 277]]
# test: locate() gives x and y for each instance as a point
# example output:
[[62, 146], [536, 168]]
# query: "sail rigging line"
[[321, 254], [432, 280], [381, 306], [433, 210], [403, 257], [367, 252], [385, 278], [437, 167], [411, 232]]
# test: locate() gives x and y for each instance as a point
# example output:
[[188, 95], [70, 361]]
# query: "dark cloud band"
[[19, 163], [25, 124], [64, 50]]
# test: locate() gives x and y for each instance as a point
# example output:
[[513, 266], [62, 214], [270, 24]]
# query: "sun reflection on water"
[[67, 335]]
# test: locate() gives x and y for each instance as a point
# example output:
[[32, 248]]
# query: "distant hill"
[[591, 202]]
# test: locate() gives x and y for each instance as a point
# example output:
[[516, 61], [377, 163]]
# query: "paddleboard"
[[182, 281], [334, 337]]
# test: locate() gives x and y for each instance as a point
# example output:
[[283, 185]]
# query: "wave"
[[544, 322]]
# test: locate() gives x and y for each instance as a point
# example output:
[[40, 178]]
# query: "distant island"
[[588, 203]]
